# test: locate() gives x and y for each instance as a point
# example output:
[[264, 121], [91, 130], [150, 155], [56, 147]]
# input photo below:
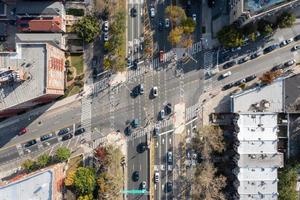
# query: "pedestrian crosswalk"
[[133, 75], [100, 85], [192, 112], [86, 114]]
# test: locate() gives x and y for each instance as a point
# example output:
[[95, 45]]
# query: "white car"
[[167, 23], [155, 91], [105, 36], [290, 63], [143, 185], [296, 47], [156, 177], [194, 16], [162, 114], [105, 26], [152, 12], [226, 74]]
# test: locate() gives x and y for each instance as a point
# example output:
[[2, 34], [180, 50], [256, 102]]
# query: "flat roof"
[[37, 8], [38, 186], [255, 147], [55, 39], [261, 160], [268, 98], [254, 7], [291, 93], [30, 59]]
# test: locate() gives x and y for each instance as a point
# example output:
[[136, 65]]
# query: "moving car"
[[161, 56], [105, 26], [46, 137], [222, 76], [168, 108], [169, 187], [141, 147], [286, 42], [143, 185], [156, 177], [22, 131], [229, 64], [160, 25], [79, 131], [141, 88], [30, 143], [170, 157], [156, 130], [133, 12], [135, 123], [105, 36], [194, 17], [63, 131], [135, 176], [154, 91], [162, 114], [250, 78], [167, 23], [67, 137], [152, 12], [296, 47]]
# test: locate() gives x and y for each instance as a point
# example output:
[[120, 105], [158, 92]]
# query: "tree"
[[107, 64], [62, 154], [176, 14], [265, 27], [87, 28], [43, 160], [188, 25], [229, 36], [84, 180], [69, 180], [286, 20], [270, 76], [287, 183], [175, 35], [85, 197], [28, 165], [187, 42]]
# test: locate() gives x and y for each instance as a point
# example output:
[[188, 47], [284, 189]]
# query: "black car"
[[141, 148], [160, 25], [135, 64], [255, 55], [64, 131], [133, 12], [270, 48], [128, 131], [135, 91], [277, 67], [169, 187], [30, 143], [297, 38], [250, 78], [135, 176], [229, 64], [239, 82], [79, 131], [228, 86], [67, 137], [46, 137], [168, 108]]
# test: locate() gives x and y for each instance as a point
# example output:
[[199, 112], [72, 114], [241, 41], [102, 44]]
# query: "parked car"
[[156, 177], [222, 76], [94, 62], [244, 59], [235, 49], [250, 78], [129, 63], [156, 130], [296, 47], [194, 17], [239, 82], [154, 91], [152, 12], [79, 131], [289, 63], [105, 26], [229, 64], [133, 12], [135, 123], [297, 38], [63, 131], [67, 137], [227, 86], [160, 25], [128, 131], [141, 147], [257, 54], [168, 108], [270, 48], [135, 176], [170, 157], [143, 185], [277, 67], [286, 42], [30, 143], [167, 23], [22, 131], [46, 137], [161, 56], [141, 88], [105, 36], [162, 114], [169, 187]]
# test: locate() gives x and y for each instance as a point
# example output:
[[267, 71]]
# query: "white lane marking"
[[133, 166], [154, 186], [163, 141], [156, 145], [140, 167], [170, 141]]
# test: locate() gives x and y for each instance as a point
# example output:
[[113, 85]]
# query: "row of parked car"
[[65, 133], [239, 82]]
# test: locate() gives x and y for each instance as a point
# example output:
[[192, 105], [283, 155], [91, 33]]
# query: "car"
[[170, 157], [30, 143], [141, 148], [225, 75], [156, 130], [105, 26], [105, 36], [46, 137], [239, 82], [296, 47], [162, 114], [270, 48], [133, 12], [135, 123], [227, 86], [67, 137], [277, 67], [211, 3], [257, 54], [135, 48], [156, 177], [160, 25], [141, 88], [152, 12], [63, 131], [22, 131], [250, 78], [194, 17], [143, 185], [244, 59], [135, 176], [297, 38], [167, 23], [129, 63], [154, 91], [169, 187], [235, 49], [168, 108], [128, 130], [79, 131], [289, 63], [141, 47], [229, 64], [161, 56]]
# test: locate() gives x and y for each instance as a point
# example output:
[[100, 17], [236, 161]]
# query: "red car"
[[161, 56], [23, 131]]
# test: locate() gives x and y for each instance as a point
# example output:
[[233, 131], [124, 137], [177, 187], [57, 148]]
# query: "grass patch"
[[77, 62], [75, 90], [74, 163]]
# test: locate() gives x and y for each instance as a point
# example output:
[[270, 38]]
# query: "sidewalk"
[[179, 118]]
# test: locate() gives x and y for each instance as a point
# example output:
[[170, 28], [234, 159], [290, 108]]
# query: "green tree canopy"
[[28, 165], [43, 160], [188, 25], [62, 154], [175, 35], [229, 36], [286, 20], [265, 27], [87, 28], [86, 197], [176, 14], [84, 180]]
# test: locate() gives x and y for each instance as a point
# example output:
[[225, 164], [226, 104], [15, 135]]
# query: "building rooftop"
[[261, 160], [38, 8], [30, 61], [255, 147], [38, 186], [53, 24], [292, 94], [56, 39], [268, 98]]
